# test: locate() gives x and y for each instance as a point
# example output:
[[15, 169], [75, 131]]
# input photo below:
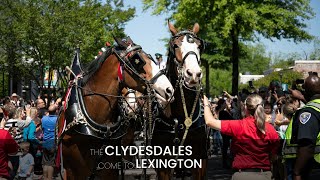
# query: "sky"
[[147, 30]]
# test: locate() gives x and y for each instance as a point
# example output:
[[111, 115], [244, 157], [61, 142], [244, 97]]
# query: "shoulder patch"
[[304, 117]]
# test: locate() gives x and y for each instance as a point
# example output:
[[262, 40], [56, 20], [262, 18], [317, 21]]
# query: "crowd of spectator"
[[27, 129], [27, 137], [278, 105]]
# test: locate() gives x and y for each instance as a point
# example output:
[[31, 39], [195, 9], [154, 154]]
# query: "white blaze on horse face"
[[191, 67], [162, 86]]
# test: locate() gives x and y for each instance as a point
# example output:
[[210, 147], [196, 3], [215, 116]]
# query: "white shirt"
[[162, 64]]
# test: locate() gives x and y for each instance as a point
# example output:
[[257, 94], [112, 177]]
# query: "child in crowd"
[[269, 113], [26, 162]]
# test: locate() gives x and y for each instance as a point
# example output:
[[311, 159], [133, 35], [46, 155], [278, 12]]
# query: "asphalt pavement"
[[215, 170]]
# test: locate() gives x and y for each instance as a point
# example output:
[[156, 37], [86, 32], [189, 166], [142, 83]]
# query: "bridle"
[[133, 66], [126, 59], [191, 38]]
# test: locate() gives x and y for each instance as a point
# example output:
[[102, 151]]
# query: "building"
[[305, 66], [244, 79]]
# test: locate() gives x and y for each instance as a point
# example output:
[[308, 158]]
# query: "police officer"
[[161, 63], [306, 128]]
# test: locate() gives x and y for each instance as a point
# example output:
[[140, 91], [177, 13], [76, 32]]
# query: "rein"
[[129, 66]]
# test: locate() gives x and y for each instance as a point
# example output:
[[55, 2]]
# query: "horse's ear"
[[172, 29], [120, 42], [196, 28], [129, 40]]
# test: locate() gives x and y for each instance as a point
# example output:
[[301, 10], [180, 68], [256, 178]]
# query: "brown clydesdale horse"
[[91, 119], [185, 126]]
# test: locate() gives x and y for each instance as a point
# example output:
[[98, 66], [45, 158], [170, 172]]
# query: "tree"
[[315, 54], [286, 77], [46, 32], [227, 23], [220, 81], [255, 60]]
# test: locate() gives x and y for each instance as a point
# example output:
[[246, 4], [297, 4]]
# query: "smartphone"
[[285, 87]]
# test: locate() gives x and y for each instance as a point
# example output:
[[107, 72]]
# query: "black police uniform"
[[305, 129], [306, 125]]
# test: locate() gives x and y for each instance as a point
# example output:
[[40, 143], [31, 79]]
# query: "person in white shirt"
[[160, 62]]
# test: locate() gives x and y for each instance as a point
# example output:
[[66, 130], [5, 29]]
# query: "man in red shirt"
[[253, 140], [7, 146]]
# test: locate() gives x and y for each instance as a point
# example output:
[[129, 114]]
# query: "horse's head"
[[185, 48], [143, 72]]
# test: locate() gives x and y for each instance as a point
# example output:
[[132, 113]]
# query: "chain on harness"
[[180, 82]]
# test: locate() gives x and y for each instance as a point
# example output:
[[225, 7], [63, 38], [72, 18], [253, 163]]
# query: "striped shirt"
[[15, 127]]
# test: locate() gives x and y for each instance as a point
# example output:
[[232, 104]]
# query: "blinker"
[[137, 62], [190, 39]]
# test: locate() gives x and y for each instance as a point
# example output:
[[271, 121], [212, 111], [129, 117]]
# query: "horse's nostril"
[[169, 91], [199, 74], [167, 96], [189, 72]]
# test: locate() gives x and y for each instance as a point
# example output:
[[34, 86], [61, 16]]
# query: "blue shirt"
[[48, 128], [29, 133], [25, 161], [25, 132]]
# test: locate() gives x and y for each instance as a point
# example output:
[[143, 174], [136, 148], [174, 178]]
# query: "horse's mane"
[[94, 65]]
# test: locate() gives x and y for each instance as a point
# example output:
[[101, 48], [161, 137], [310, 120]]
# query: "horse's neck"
[[189, 100], [100, 100]]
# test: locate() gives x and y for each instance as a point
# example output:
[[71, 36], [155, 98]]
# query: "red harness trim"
[[120, 74]]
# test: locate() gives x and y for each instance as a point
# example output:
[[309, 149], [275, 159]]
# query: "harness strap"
[[188, 118], [188, 53]]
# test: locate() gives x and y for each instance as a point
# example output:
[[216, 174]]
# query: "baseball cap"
[[14, 95], [158, 55]]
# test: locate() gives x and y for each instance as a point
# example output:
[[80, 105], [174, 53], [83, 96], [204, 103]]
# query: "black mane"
[[94, 65]]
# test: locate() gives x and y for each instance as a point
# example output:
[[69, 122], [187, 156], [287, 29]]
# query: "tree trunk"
[[11, 63], [235, 60]]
